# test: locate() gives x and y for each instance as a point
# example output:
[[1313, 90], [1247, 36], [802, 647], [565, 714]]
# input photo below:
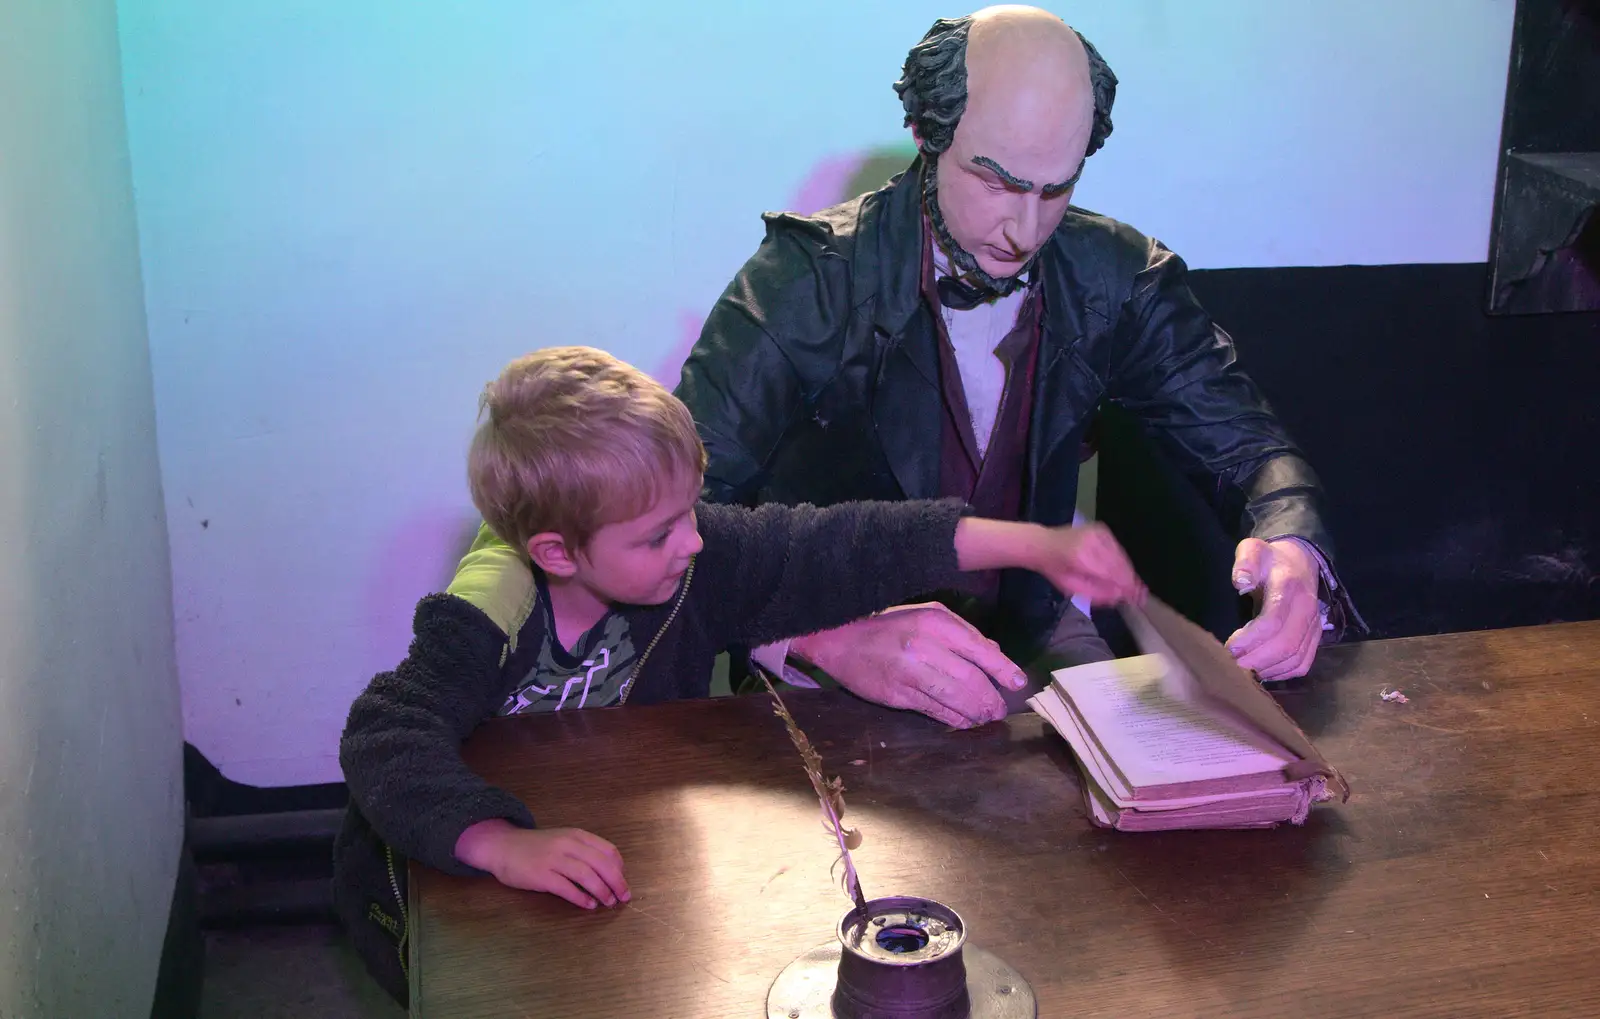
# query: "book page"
[[1096, 770], [1152, 737], [1211, 677], [1101, 810]]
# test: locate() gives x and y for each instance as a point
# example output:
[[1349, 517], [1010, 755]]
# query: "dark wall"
[[1459, 450]]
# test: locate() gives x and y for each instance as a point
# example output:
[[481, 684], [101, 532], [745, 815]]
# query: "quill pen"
[[830, 793]]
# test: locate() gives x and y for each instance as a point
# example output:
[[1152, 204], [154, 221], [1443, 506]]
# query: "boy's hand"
[[1083, 561], [574, 864], [1089, 561]]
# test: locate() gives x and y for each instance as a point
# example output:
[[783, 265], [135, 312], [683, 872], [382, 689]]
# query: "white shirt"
[[974, 335]]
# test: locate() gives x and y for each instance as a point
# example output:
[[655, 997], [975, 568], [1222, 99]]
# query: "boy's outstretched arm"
[[1084, 561], [401, 749], [780, 571]]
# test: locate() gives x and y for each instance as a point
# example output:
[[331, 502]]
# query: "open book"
[[1182, 736]]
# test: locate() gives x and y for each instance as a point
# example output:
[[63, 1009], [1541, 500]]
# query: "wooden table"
[[1460, 880]]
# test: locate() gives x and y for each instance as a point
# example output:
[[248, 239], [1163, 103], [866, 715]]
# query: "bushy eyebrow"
[[1051, 190], [1004, 174], [1048, 191]]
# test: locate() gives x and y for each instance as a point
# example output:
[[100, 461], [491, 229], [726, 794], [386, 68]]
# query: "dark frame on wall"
[[1544, 246]]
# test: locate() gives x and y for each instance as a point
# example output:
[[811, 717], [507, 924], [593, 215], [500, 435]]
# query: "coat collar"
[[893, 264]]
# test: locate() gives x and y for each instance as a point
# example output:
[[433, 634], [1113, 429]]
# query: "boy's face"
[[640, 561]]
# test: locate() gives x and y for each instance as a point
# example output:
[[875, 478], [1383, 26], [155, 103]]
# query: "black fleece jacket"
[[764, 575]]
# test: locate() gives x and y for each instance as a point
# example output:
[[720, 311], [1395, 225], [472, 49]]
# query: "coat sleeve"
[[781, 571], [401, 750], [771, 343], [1176, 369]]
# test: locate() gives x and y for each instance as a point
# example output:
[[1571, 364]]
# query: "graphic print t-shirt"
[[589, 676]]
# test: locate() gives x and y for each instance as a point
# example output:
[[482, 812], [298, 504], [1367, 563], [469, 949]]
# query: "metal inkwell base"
[[900, 958]]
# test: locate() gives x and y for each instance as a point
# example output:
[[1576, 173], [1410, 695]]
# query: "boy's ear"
[[548, 550]]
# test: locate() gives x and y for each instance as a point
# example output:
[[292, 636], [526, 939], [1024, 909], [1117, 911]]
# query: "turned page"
[[1205, 673], [1162, 744]]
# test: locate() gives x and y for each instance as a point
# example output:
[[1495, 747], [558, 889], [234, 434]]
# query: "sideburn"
[[971, 272]]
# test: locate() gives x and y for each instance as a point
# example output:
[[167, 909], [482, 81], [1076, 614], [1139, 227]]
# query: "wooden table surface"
[[1459, 880]]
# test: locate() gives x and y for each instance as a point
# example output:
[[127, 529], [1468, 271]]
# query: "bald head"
[[1006, 105], [1012, 41], [1009, 54], [1028, 80]]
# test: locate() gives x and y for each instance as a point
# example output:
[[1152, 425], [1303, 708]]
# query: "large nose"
[[1024, 223]]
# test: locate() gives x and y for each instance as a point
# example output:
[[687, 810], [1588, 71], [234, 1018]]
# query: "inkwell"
[[897, 957]]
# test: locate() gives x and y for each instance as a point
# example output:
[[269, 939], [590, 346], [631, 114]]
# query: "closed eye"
[[1007, 181]]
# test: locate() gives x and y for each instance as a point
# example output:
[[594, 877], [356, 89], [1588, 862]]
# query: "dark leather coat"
[[816, 376]]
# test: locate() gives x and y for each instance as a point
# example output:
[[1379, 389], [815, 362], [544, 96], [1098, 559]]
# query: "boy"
[[592, 470]]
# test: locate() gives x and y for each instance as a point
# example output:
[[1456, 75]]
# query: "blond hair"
[[572, 439]]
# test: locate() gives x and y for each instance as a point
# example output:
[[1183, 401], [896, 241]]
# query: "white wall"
[[353, 213], [90, 739]]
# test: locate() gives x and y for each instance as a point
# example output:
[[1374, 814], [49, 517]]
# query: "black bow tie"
[[958, 295], [961, 295]]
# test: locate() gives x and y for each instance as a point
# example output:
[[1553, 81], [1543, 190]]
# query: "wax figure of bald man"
[[954, 334]]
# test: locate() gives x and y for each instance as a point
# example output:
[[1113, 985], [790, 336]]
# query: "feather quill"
[[830, 794]]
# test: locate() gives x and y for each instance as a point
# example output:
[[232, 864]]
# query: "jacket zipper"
[[627, 687], [405, 918]]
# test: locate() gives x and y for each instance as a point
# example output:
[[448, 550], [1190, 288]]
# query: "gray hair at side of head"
[[933, 86]]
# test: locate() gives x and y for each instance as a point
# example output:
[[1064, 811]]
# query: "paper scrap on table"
[[1394, 695]]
